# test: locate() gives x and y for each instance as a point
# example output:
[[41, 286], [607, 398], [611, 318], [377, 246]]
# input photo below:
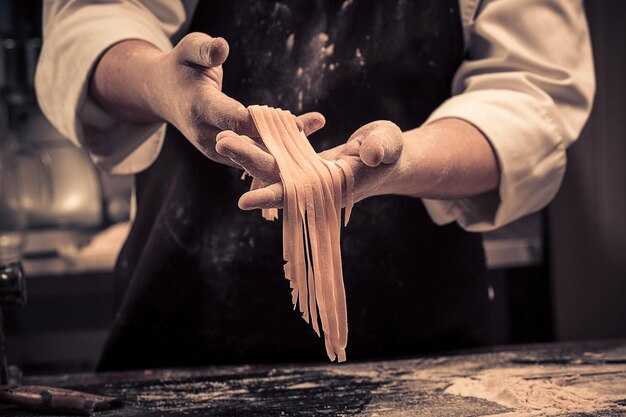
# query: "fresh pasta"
[[311, 225]]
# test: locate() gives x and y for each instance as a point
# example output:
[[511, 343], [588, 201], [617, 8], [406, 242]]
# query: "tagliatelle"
[[311, 224]]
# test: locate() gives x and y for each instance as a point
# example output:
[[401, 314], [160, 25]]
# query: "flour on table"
[[528, 397]]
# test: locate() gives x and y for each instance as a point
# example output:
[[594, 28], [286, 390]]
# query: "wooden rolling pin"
[[56, 400]]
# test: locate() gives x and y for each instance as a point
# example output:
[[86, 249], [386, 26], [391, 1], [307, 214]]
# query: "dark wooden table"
[[583, 379]]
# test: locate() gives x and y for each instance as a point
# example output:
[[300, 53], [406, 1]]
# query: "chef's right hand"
[[189, 95], [187, 92], [136, 82]]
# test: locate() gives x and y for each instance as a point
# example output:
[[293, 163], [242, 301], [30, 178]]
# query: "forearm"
[[447, 159], [123, 81]]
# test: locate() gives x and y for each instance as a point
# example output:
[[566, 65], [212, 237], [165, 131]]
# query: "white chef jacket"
[[527, 83]]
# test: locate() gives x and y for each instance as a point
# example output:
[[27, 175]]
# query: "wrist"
[[409, 176], [447, 159], [156, 85]]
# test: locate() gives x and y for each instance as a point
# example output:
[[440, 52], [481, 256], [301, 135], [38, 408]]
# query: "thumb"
[[311, 122], [263, 198], [201, 49], [382, 145]]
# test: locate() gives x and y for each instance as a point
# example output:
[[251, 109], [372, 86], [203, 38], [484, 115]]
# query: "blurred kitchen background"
[[555, 276]]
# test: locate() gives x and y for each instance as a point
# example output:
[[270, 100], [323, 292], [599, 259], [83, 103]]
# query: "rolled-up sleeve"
[[528, 85], [76, 34]]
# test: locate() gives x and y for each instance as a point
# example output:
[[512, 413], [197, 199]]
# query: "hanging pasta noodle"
[[311, 224]]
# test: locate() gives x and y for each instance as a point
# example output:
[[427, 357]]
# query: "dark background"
[[588, 217]]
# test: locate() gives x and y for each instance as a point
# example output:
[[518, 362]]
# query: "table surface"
[[580, 379]]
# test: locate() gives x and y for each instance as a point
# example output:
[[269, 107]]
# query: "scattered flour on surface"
[[359, 56], [290, 41], [300, 100], [327, 50], [528, 397], [304, 385]]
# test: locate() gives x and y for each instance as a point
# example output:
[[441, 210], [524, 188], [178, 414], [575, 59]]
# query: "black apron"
[[201, 282]]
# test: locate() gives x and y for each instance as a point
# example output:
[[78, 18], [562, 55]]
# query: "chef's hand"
[[187, 92], [136, 81], [373, 152]]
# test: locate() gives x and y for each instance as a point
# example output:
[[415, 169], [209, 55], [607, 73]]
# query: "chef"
[[487, 95]]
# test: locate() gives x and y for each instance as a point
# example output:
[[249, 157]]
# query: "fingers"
[[372, 151], [263, 198], [201, 49], [311, 122], [248, 155], [225, 113], [216, 108], [381, 144]]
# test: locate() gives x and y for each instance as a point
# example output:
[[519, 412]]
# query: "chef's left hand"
[[373, 152]]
